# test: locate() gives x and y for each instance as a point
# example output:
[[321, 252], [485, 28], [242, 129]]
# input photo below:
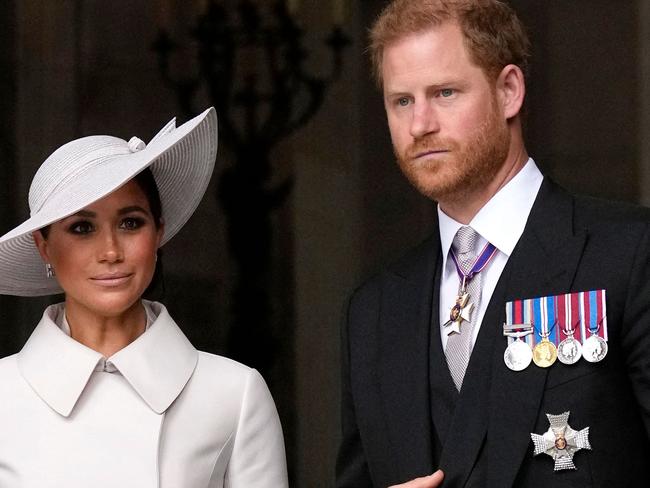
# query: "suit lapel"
[[468, 426], [443, 391], [544, 263], [404, 359]]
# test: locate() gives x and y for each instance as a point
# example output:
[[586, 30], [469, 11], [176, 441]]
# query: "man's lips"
[[430, 152], [111, 279]]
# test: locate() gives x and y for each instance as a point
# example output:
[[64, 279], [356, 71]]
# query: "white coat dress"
[[157, 414]]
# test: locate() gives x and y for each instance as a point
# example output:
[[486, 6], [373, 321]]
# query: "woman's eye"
[[132, 223], [81, 227], [446, 92]]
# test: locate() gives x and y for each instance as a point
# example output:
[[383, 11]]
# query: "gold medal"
[[544, 353]]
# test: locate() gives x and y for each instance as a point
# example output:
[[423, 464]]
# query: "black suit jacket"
[[396, 387]]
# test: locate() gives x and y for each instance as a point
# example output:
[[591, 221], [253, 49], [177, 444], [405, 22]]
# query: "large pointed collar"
[[158, 364]]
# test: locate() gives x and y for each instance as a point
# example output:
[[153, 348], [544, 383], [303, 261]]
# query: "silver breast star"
[[560, 441]]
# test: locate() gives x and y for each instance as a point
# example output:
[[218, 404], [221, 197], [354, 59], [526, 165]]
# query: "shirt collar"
[[157, 365], [502, 219]]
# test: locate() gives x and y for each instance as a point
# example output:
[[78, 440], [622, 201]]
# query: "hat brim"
[[181, 160]]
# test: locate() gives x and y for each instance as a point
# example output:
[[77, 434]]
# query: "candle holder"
[[252, 68]]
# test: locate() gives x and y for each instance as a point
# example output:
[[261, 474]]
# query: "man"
[[430, 383]]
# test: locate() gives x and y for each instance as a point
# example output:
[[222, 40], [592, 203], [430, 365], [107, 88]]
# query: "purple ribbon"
[[480, 263]]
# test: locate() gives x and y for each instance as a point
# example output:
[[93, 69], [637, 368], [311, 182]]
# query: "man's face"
[[448, 129]]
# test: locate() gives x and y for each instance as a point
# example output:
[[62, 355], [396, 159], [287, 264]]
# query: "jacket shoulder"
[[214, 372], [592, 210], [405, 266], [218, 378]]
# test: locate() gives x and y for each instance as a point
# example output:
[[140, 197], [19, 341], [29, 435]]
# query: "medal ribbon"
[[563, 320], [602, 314], [594, 318], [593, 313], [520, 312], [482, 260], [551, 320], [544, 316], [528, 319], [537, 319]]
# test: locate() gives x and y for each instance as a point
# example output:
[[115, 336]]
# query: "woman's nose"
[[111, 249]]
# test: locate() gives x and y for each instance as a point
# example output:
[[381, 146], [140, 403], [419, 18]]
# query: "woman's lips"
[[111, 280]]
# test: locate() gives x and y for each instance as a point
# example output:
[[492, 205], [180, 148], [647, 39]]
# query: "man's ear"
[[41, 245], [511, 90]]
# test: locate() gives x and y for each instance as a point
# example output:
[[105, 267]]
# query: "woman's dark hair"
[[147, 184]]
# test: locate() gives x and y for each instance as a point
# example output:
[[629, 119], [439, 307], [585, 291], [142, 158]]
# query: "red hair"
[[494, 35]]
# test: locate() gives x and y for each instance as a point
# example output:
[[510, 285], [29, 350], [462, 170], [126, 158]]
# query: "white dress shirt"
[[501, 222], [163, 415]]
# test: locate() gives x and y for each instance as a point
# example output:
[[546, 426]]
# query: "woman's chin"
[[109, 304]]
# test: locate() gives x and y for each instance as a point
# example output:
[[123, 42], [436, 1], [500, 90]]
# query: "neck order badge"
[[462, 309]]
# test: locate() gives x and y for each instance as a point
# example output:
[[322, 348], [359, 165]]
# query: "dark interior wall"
[[584, 94], [351, 210], [7, 151], [395, 216]]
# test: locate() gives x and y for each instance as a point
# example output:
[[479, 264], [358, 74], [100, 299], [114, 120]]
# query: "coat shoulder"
[[220, 379], [221, 372], [406, 266], [592, 210]]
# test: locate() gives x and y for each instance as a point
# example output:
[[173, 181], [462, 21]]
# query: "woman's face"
[[104, 256]]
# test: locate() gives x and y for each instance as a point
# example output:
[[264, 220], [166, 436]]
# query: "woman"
[[107, 391]]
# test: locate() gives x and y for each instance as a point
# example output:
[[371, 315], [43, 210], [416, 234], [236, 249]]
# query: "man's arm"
[[636, 328], [351, 465]]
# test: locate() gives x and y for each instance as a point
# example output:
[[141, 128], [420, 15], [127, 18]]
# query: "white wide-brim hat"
[[88, 169]]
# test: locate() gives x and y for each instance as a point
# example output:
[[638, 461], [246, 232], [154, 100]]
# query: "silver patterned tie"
[[459, 345]]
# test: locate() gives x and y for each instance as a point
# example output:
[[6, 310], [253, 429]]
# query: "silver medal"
[[518, 355], [569, 351], [594, 349]]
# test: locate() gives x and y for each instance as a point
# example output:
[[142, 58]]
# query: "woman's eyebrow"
[[131, 208], [84, 213]]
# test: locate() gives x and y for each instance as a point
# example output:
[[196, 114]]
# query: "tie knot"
[[464, 243]]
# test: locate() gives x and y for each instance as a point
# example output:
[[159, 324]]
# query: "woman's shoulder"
[[226, 378], [222, 370]]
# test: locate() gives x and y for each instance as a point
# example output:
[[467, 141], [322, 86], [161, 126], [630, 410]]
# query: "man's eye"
[[82, 228], [446, 92], [131, 223], [403, 101]]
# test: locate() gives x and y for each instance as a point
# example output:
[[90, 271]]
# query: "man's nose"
[[425, 120]]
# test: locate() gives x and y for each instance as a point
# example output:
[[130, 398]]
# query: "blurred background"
[[306, 200]]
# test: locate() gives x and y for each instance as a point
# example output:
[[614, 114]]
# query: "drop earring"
[[49, 270]]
